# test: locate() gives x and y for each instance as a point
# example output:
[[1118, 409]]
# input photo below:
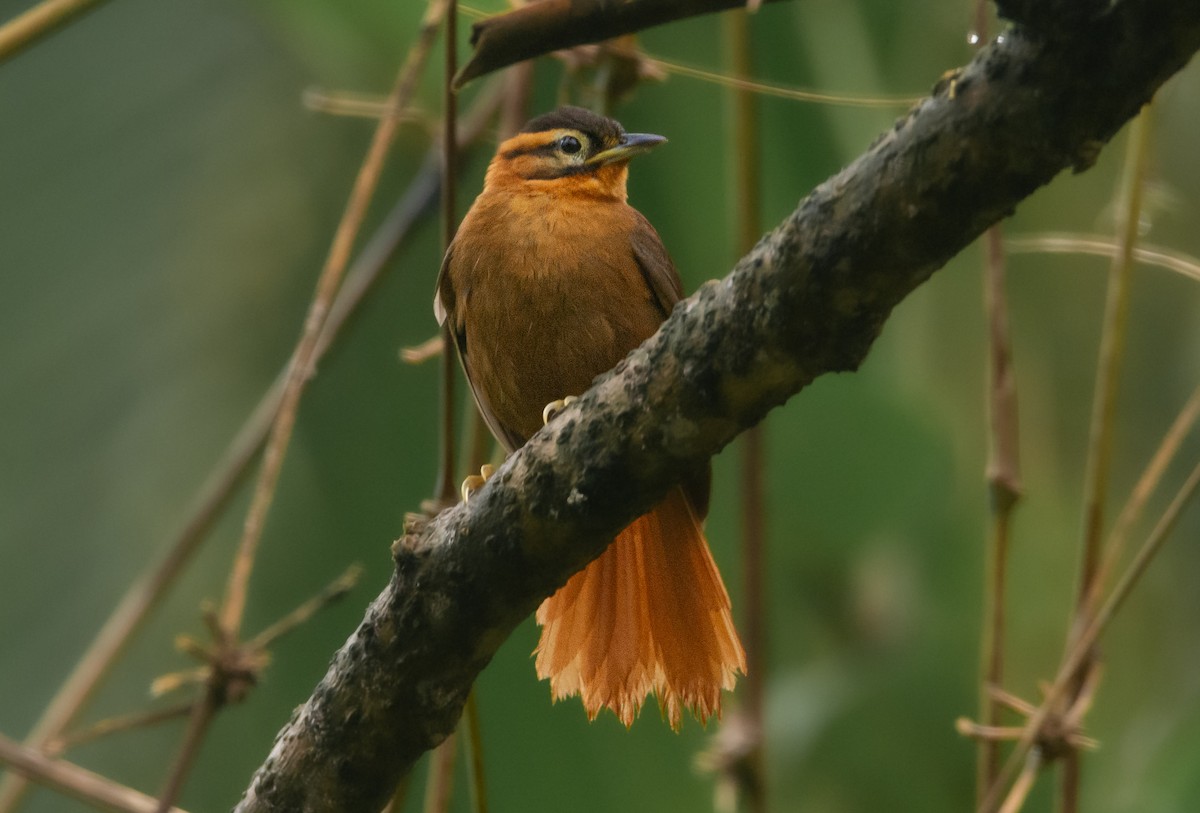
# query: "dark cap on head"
[[602, 130]]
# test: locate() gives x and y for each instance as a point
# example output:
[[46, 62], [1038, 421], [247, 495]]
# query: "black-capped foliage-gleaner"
[[550, 281]]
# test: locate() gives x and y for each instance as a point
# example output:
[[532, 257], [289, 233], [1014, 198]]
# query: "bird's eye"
[[569, 144]]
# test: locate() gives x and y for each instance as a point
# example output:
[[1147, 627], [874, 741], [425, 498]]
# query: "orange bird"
[[551, 280]]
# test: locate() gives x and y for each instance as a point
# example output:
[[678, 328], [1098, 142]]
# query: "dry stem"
[[74, 781], [1100, 440], [747, 773], [1004, 482], [1088, 637]]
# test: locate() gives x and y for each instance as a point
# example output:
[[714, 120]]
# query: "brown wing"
[[656, 265], [663, 280], [444, 308]]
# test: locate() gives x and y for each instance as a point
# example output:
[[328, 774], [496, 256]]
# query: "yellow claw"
[[474, 482], [554, 407]]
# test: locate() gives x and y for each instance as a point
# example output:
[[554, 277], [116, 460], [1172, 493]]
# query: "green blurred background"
[[166, 202]]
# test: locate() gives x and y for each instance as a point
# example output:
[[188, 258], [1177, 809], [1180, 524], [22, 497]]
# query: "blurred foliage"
[[165, 204]]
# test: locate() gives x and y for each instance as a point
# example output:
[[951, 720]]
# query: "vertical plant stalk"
[[1004, 490], [26, 28], [744, 145], [1100, 436], [301, 366], [445, 492], [474, 751], [440, 783], [1024, 784], [440, 780], [1003, 478], [396, 803], [203, 713]]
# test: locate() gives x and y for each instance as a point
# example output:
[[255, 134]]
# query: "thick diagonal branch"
[[808, 300]]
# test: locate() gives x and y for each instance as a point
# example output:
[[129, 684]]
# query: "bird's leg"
[[554, 407], [474, 482]]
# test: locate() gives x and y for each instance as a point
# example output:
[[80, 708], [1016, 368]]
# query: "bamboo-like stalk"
[[203, 713], [1102, 431], [476, 778], [1004, 488], [440, 782], [747, 215], [445, 491]]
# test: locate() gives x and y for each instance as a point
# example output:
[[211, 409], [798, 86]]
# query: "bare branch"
[[74, 781], [808, 300], [539, 28]]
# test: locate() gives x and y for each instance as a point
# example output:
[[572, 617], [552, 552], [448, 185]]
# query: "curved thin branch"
[[808, 300]]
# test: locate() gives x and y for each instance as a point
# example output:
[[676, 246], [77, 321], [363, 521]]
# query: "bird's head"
[[570, 143]]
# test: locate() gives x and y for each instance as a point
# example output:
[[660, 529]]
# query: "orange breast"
[[549, 295]]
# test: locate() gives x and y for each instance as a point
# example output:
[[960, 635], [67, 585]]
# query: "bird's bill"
[[632, 144]]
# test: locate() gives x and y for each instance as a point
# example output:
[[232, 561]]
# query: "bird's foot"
[[474, 482], [554, 407]]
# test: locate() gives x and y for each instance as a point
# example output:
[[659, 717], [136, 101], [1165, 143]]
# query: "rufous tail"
[[650, 615]]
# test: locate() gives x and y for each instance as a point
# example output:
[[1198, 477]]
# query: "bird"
[[551, 279]]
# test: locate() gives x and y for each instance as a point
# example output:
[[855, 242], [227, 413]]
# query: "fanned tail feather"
[[650, 615]]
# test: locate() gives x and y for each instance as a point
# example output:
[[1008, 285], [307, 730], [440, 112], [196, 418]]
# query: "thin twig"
[[302, 363], [445, 490], [1020, 789], [26, 28], [440, 782], [1146, 485], [1055, 243], [476, 778], [750, 774], [1102, 431], [1088, 637], [203, 712], [360, 105], [1004, 486], [332, 592], [71, 780], [1112, 345], [115, 725], [780, 91]]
